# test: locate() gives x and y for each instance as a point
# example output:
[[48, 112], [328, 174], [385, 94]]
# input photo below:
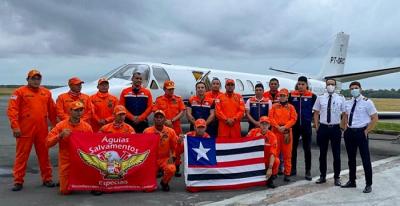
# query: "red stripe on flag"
[[226, 187], [231, 163], [237, 140]]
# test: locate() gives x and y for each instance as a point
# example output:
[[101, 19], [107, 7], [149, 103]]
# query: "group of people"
[[279, 116]]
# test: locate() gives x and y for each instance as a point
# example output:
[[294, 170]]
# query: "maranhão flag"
[[113, 162], [223, 164]]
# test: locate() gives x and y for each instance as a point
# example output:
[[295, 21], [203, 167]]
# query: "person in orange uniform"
[[60, 134], [230, 110], [103, 105], [283, 116], [201, 107], [273, 92], [213, 94], [200, 127], [270, 149], [166, 148], [215, 89], [273, 95], [118, 126], [29, 109], [174, 108], [139, 103], [74, 94]]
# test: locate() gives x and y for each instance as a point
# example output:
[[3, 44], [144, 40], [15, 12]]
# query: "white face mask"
[[330, 88], [355, 93]]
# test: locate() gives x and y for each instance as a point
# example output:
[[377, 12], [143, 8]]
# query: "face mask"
[[330, 88], [355, 92]]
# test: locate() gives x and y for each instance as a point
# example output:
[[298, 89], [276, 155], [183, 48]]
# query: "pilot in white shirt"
[[328, 111], [361, 118]]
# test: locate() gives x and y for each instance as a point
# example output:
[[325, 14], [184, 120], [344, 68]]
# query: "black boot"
[[96, 193], [270, 183], [17, 187], [160, 173], [321, 180], [177, 172], [286, 178], [164, 186], [308, 175], [49, 183], [349, 184]]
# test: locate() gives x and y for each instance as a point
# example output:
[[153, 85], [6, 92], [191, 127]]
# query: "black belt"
[[357, 129], [330, 125]]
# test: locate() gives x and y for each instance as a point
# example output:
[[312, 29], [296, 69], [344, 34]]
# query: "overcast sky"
[[65, 38]]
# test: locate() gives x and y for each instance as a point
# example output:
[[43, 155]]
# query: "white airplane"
[[185, 77]]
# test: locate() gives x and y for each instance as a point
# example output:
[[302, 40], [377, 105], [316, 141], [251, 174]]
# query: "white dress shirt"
[[363, 111], [337, 108]]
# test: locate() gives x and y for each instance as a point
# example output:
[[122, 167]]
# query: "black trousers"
[[251, 126], [305, 132], [325, 134], [355, 138], [140, 127]]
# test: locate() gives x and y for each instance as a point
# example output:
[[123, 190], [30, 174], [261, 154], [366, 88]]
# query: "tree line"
[[372, 93]]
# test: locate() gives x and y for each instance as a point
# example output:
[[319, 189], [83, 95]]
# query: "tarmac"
[[384, 154]]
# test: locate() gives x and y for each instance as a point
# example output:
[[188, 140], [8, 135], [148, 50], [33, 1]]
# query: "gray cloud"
[[224, 34]]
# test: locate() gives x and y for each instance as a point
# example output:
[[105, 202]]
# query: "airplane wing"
[[362, 75], [283, 71]]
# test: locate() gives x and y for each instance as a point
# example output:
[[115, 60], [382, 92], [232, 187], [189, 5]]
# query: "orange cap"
[[119, 109], [200, 123], [159, 112], [76, 105], [284, 92], [101, 80], [230, 81], [75, 80], [169, 84], [34, 72], [264, 119]]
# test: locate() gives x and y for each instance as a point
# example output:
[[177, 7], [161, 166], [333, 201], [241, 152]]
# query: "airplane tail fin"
[[336, 58]]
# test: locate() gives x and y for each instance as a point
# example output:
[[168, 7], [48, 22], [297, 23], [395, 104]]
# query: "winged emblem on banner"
[[111, 165]]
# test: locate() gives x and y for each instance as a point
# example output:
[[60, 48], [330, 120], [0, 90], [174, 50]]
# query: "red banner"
[[113, 162]]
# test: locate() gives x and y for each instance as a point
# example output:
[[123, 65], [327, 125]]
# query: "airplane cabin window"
[[250, 85], [240, 84], [127, 71], [153, 85], [160, 74]]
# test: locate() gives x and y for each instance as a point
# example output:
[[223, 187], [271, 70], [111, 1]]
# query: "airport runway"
[[34, 194]]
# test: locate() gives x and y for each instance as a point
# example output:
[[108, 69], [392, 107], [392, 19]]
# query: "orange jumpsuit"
[[28, 111], [63, 153], [229, 106], [63, 106], [172, 106], [165, 149], [103, 107], [270, 148], [213, 95], [124, 128], [273, 97], [283, 116], [193, 134]]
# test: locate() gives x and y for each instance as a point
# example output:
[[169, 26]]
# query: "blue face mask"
[[355, 93]]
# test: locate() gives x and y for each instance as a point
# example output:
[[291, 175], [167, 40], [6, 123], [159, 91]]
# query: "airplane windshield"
[[127, 71]]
